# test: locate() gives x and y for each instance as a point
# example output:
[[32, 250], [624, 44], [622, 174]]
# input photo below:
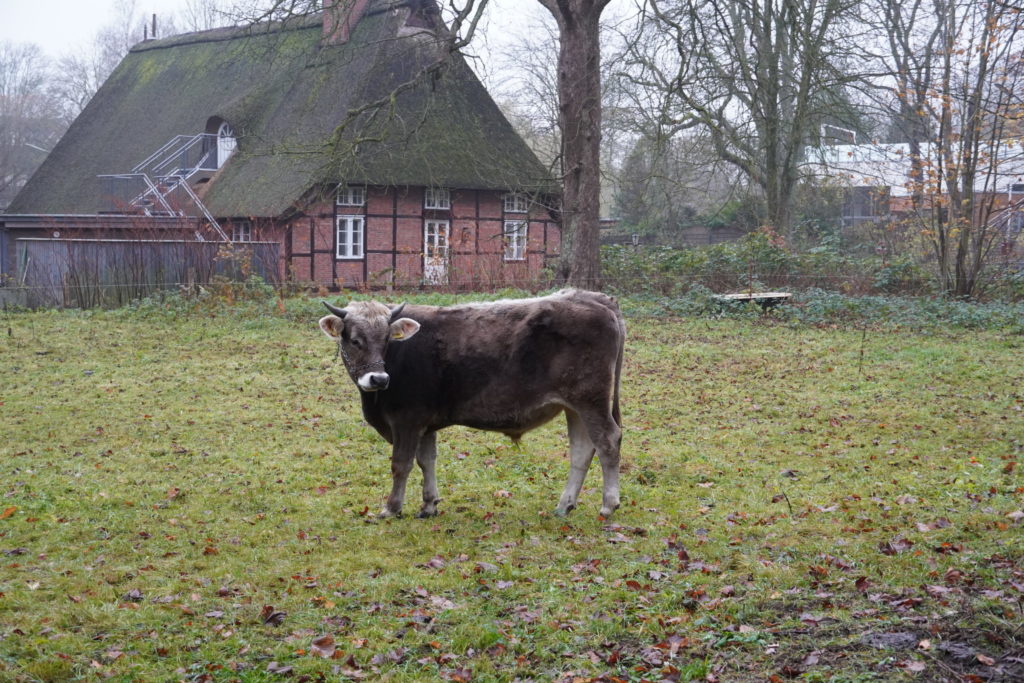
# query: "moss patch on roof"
[[287, 97]]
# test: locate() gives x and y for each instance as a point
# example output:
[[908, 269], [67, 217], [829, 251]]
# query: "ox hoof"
[[607, 512], [386, 513], [564, 512], [428, 509]]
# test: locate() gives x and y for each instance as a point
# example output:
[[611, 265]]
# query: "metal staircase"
[[160, 185]]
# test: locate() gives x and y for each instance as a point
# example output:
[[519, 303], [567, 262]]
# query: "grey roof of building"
[[294, 105]]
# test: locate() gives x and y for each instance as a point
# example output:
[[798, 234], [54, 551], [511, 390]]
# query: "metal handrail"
[[171, 151], [148, 160], [173, 158], [151, 188], [169, 156], [206, 214]]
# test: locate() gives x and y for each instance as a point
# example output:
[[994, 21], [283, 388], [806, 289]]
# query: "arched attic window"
[[423, 18], [226, 142], [422, 14]]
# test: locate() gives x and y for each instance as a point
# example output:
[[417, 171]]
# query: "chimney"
[[340, 18]]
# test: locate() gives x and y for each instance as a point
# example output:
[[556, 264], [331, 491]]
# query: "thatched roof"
[[285, 93]]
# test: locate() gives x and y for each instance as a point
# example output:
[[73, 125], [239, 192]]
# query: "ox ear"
[[332, 326], [403, 328]]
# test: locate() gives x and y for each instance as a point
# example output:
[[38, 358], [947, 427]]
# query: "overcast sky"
[[61, 26]]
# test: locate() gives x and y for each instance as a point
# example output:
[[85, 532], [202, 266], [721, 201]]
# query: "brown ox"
[[508, 366]]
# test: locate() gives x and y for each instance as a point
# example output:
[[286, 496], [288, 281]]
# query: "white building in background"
[[888, 166], [879, 178]]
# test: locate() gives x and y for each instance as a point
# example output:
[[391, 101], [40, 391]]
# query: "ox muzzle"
[[372, 381]]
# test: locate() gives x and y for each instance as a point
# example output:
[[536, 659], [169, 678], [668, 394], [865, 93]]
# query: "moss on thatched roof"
[[286, 94]]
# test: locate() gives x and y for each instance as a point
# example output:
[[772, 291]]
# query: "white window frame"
[[241, 231], [350, 195], [435, 265], [350, 237], [437, 198], [226, 143], [514, 236], [516, 202]]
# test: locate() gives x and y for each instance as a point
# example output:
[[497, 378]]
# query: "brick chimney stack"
[[340, 18]]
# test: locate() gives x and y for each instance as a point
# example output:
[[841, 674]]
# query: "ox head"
[[363, 330]]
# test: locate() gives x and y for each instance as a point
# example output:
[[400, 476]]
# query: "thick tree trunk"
[[579, 96]]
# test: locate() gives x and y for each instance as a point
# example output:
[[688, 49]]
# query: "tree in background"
[[525, 83], [80, 74], [203, 15], [579, 107], [666, 185], [30, 121], [959, 84], [759, 77]]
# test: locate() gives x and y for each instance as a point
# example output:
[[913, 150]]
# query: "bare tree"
[[669, 184], [29, 117], [202, 15], [525, 80], [958, 84], [80, 74], [759, 76], [529, 92]]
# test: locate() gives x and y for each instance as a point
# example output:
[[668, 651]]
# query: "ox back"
[[508, 366]]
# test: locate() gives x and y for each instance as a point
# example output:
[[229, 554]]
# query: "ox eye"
[[356, 343]]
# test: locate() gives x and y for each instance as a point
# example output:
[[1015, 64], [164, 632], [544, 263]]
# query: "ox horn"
[[340, 312], [395, 312]]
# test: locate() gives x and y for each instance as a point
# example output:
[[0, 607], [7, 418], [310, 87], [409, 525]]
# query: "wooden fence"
[[88, 273]]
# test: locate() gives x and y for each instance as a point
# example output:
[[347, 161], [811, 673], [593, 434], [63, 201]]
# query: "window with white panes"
[[351, 195], [350, 237], [516, 203], [241, 231], [515, 240], [437, 198]]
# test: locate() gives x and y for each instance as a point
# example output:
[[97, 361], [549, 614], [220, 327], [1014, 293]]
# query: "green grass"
[[792, 495]]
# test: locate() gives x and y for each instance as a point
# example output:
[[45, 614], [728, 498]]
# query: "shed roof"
[[287, 94]]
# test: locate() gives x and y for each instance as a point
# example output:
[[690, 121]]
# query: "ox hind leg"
[[426, 455], [608, 444], [606, 436], [581, 452]]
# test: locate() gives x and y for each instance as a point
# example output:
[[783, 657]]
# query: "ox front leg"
[[403, 453], [426, 455], [581, 452]]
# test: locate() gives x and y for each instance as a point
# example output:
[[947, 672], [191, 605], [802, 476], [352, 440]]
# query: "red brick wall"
[[394, 222], [410, 235]]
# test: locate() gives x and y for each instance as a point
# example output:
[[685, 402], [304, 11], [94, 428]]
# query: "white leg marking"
[[609, 441], [581, 452], [426, 455]]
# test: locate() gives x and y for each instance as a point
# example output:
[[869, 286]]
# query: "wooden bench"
[[766, 300]]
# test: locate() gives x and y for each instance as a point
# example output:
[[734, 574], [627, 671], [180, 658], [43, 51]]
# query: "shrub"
[[760, 261]]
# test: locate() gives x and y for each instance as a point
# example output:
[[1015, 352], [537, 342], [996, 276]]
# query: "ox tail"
[[616, 413]]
